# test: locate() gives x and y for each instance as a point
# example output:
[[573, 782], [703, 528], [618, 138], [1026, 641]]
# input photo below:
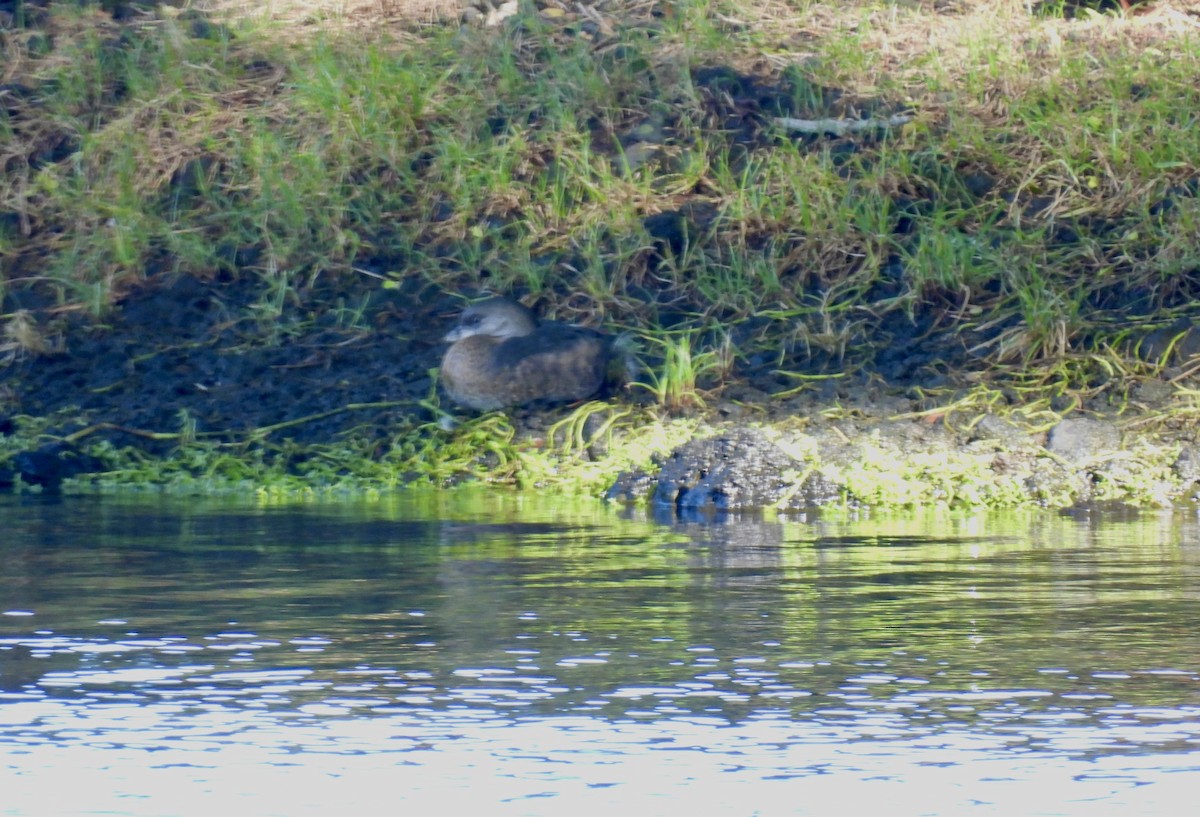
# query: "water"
[[511, 656]]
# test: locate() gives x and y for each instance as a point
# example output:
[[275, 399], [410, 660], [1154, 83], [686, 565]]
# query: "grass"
[[497, 149], [1040, 205], [483, 449]]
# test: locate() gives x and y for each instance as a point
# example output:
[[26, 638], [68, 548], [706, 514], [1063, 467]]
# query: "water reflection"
[[525, 657]]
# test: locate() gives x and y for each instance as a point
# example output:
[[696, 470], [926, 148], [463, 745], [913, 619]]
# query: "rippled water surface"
[[490, 653]]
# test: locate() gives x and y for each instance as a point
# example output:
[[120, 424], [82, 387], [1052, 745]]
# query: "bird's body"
[[500, 355]]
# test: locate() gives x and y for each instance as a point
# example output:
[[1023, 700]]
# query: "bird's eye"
[[471, 320]]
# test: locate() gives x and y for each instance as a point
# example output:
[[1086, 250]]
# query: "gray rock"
[[1187, 464], [631, 486], [737, 470], [1057, 485], [1077, 440], [1173, 343], [997, 429], [1154, 392]]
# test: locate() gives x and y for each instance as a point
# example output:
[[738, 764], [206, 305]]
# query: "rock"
[[978, 184], [49, 465], [1056, 485], [199, 27], [999, 430], [1078, 440], [631, 486], [817, 489], [1176, 342], [1187, 464], [501, 13], [670, 230], [594, 432], [730, 410], [635, 155], [1153, 392], [737, 470], [642, 143]]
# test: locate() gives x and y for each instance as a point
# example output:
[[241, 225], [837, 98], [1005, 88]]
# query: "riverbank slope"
[[873, 253]]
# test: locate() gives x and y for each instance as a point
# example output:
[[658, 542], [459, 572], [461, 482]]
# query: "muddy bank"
[[183, 359]]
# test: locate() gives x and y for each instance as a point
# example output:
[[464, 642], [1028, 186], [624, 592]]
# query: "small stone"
[[635, 155], [502, 13], [631, 486], [730, 411], [978, 184], [1153, 392], [992, 427], [1078, 440], [1187, 464]]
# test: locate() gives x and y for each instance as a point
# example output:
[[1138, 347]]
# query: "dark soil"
[[184, 345], [180, 347]]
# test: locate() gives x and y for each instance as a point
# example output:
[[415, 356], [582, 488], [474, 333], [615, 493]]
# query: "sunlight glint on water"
[[398, 658]]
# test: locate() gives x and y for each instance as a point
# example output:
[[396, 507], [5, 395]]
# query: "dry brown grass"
[[901, 39], [300, 16]]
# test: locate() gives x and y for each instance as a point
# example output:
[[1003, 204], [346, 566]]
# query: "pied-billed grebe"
[[500, 355]]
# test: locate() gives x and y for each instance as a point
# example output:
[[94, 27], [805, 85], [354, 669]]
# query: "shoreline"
[[196, 405], [876, 254]]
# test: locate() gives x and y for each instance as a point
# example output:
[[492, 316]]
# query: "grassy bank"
[[1014, 231]]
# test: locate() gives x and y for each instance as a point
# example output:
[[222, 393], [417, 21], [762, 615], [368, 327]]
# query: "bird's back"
[[553, 364]]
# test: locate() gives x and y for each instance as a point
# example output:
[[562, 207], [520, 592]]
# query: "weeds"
[[675, 382], [501, 150]]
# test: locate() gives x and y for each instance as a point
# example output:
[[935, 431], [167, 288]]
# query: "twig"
[[265, 430], [251, 434], [137, 432]]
